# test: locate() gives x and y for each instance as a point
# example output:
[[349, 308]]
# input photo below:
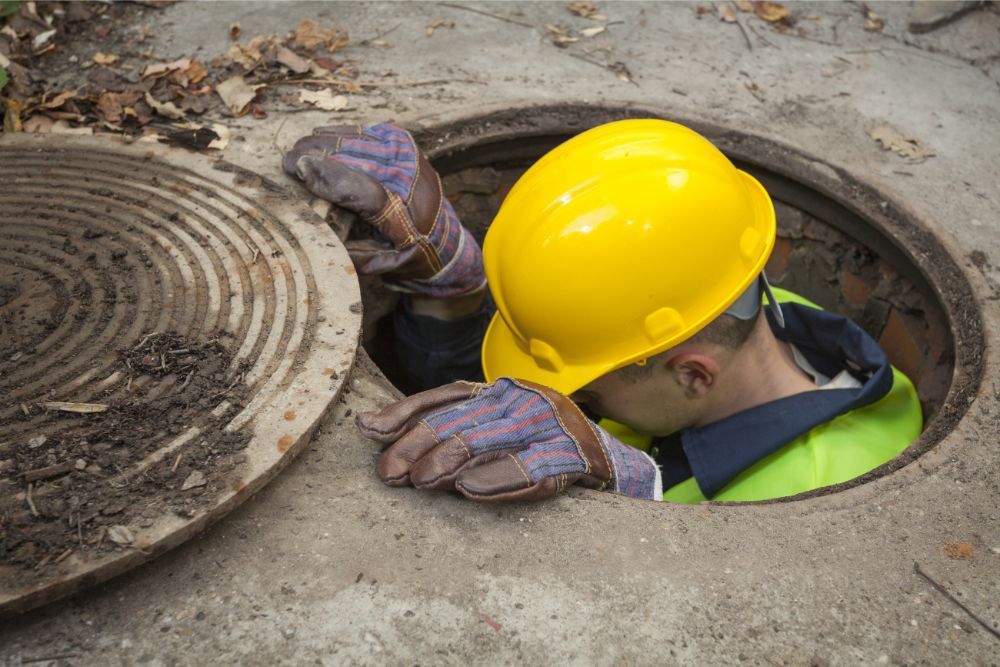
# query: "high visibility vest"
[[839, 450]]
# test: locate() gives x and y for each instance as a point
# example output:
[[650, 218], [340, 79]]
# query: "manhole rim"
[[450, 133]]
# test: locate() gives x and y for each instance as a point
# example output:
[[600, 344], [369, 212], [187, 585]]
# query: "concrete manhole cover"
[[171, 331]]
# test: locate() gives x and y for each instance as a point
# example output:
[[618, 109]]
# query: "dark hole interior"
[[824, 252]]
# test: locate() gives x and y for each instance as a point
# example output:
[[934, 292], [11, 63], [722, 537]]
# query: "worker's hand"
[[378, 172], [509, 440]]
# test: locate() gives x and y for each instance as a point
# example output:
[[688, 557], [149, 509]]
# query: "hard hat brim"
[[502, 355]]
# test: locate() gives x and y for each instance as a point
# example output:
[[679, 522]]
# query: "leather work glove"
[[417, 243], [506, 441]]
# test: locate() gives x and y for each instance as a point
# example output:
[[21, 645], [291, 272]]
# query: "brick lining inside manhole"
[[827, 252]]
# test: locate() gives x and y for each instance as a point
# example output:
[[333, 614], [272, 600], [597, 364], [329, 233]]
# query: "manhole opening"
[[831, 248]]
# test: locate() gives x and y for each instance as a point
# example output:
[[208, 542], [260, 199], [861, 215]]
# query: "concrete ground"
[[327, 565]]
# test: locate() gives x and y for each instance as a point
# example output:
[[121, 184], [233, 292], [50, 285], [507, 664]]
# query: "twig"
[[62, 556], [347, 83], [610, 68], [941, 589], [31, 503], [187, 381], [49, 658], [738, 20], [79, 532], [177, 462], [761, 37], [492, 16], [378, 35]]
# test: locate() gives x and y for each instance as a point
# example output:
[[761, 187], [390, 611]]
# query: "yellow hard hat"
[[617, 245]]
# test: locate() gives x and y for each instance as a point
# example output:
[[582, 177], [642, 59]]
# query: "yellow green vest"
[[837, 451]]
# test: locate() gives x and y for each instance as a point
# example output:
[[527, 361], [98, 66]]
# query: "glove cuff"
[[634, 473]]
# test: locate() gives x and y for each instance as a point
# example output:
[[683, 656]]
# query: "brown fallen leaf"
[[891, 139], [439, 23], [196, 72], [237, 94], [38, 124], [56, 102], [80, 408], [873, 22], [771, 12], [234, 31], [744, 6], [161, 69], [292, 60], [559, 36], [726, 13], [12, 116], [111, 106], [105, 58], [244, 55], [168, 109], [590, 32], [587, 10], [324, 99], [309, 34]]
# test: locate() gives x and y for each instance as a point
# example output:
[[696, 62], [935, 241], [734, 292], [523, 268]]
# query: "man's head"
[[619, 244], [679, 387]]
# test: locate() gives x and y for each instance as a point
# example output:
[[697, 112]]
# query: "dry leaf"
[[308, 34], [293, 61], [58, 100], [744, 5], [439, 23], [234, 31], [590, 32], [726, 13], [224, 135], [42, 39], [105, 58], [195, 72], [245, 56], [63, 127], [168, 109], [324, 99], [38, 124], [891, 139], [587, 10], [120, 535], [237, 94], [873, 22], [80, 408], [770, 11], [160, 69]]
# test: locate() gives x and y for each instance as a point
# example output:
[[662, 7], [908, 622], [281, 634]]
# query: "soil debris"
[[83, 478]]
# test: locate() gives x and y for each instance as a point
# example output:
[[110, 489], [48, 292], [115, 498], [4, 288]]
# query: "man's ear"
[[695, 372]]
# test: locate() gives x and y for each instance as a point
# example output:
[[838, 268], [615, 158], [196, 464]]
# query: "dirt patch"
[[80, 472]]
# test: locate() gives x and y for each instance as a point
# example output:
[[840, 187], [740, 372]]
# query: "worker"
[[625, 281]]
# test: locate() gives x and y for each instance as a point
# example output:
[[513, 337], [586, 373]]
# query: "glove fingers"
[[370, 257], [341, 185], [505, 480], [440, 466], [314, 145], [392, 421], [395, 463]]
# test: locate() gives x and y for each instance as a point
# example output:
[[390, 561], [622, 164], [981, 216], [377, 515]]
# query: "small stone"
[[81, 464], [194, 480], [37, 441], [288, 633]]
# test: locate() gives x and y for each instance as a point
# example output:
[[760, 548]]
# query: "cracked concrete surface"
[[327, 565]]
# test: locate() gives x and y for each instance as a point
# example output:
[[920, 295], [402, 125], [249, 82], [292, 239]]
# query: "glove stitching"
[[423, 422], [520, 467], [562, 424]]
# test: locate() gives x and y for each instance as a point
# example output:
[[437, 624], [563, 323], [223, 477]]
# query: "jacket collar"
[[717, 453]]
